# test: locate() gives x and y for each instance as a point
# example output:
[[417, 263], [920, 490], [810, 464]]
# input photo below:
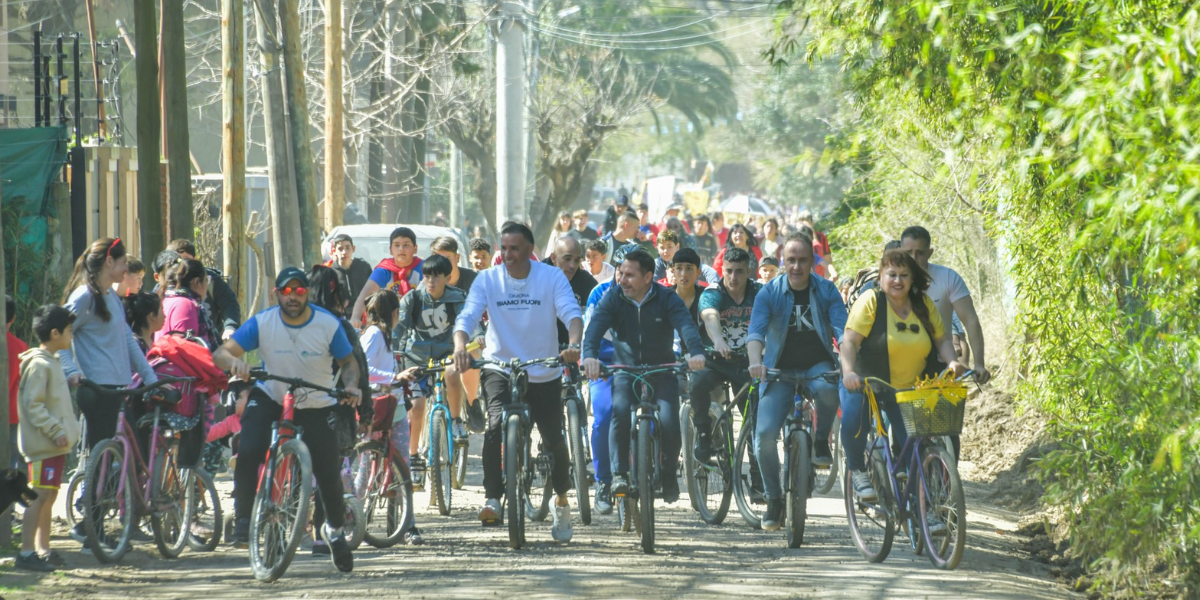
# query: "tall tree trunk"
[[335, 171], [149, 191], [175, 117], [285, 210], [233, 151], [302, 156]]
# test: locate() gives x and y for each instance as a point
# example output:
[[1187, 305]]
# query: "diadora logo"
[[331, 420]]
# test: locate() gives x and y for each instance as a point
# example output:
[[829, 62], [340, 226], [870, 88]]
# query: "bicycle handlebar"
[[960, 378], [294, 382], [516, 364], [137, 391], [607, 370]]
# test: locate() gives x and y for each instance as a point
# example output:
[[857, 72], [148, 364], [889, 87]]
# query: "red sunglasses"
[[289, 290]]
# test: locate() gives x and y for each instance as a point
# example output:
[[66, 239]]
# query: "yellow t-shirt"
[[906, 350]]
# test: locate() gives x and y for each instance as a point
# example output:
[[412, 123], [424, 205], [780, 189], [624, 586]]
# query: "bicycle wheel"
[[109, 508], [460, 465], [687, 433], [714, 486], [799, 485], [941, 500], [440, 468], [746, 478], [576, 423], [355, 525], [386, 489], [646, 455], [538, 486], [207, 520], [74, 500], [281, 511], [514, 476], [171, 503], [826, 479], [872, 526]]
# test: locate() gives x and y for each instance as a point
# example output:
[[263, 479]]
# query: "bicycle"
[[382, 479], [711, 486], [799, 473], [284, 492], [637, 505], [932, 481], [117, 468], [440, 446], [516, 445], [74, 496], [577, 441], [207, 519], [747, 480]]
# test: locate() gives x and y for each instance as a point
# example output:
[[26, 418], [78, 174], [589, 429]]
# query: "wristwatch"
[[573, 347]]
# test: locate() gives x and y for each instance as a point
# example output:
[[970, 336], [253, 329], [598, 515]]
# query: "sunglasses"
[[913, 327], [289, 290]]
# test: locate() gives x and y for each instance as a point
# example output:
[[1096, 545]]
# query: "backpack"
[[861, 281]]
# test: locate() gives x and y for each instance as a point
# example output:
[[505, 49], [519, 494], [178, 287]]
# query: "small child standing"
[[48, 430]]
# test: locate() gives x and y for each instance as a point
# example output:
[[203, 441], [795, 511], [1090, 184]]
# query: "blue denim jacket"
[[773, 306]]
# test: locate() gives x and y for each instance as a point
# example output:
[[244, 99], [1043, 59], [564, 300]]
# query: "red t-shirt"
[[722, 235], [15, 348]]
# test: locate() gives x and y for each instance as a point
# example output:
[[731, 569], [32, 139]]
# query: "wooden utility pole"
[[149, 191], [233, 154], [285, 210], [181, 219], [302, 156], [335, 200]]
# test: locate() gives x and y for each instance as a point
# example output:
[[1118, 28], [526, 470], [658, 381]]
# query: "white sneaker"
[[862, 486], [490, 513], [936, 526], [562, 530]]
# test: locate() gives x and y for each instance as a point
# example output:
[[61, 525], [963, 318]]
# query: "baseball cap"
[[686, 256], [289, 274]]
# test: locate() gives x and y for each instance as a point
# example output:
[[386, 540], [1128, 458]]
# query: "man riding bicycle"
[[795, 320], [524, 300], [293, 339], [642, 316], [725, 310]]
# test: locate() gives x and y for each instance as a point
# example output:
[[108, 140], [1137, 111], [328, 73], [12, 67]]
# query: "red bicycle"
[[281, 505], [382, 479]]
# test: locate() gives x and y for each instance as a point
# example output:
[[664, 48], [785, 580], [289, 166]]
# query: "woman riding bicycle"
[[898, 349], [104, 349], [383, 310]]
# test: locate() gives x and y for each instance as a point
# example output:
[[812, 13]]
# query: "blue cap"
[[290, 273]]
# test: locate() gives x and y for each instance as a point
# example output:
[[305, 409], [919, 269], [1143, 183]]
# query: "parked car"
[[371, 241]]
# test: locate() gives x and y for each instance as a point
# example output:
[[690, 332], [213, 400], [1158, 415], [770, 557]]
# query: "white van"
[[372, 241]]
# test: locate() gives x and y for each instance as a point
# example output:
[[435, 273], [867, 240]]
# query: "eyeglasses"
[[913, 327], [289, 290]]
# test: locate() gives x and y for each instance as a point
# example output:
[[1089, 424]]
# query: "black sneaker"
[[320, 548], [241, 534], [339, 550], [78, 534], [476, 419], [54, 558], [412, 537], [822, 456], [33, 562], [773, 519], [604, 502], [620, 486], [703, 449], [757, 496], [670, 490]]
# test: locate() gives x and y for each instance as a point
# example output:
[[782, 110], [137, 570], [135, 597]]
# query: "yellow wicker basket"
[[936, 407]]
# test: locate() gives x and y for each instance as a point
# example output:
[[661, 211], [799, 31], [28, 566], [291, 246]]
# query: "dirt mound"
[[1001, 441]]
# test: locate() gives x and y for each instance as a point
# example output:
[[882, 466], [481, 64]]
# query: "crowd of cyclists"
[[730, 302]]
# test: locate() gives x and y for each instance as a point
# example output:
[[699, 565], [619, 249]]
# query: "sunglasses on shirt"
[[289, 290], [913, 327]]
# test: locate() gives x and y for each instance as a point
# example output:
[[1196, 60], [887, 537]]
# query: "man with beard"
[[293, 339]]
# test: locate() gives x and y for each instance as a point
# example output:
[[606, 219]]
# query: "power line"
[[637, 44], [650, 32]]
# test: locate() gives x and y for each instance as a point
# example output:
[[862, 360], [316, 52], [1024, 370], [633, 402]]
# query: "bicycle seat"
[[166, 396], [170, 420]]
